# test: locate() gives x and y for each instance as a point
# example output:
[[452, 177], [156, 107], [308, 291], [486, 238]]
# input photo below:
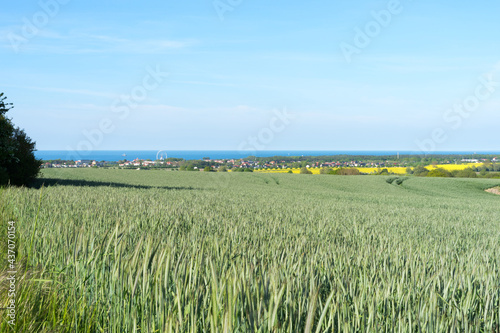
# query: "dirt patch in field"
[[495, 190]]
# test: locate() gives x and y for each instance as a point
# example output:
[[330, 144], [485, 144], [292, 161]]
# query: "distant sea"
[[117, 155]]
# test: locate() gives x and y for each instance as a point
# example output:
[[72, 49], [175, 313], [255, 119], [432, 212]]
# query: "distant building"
[[87, 162]]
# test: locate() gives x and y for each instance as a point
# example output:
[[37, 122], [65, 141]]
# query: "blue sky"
[[68, 66]]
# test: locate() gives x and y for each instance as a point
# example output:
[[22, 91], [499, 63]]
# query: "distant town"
[[276, 162]]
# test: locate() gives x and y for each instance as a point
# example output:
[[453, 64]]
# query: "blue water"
[[117, 155]]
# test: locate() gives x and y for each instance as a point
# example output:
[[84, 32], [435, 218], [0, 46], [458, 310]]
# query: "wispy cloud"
[[205, 83], [232, 110], [81, 43], [435, 63], [84, 92]]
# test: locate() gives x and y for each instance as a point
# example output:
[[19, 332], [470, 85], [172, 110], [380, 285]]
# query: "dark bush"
[[384, 172], [439, 172], [242, 170], [420, 171], [391, 179], [400, 181], [347, 172], [17, 151]]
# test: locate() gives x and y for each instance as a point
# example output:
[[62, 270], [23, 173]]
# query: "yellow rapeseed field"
[[396, 170], [452, 167], [315, 171]]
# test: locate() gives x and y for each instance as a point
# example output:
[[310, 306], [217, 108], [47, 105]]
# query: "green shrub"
[[325, 171], [439, 172], [466, 173], [391, 179], [242, 170], [305, 171], [347, 172], [420, 171], [400, 181], [384, 172]]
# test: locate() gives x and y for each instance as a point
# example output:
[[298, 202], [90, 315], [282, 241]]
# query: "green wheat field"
[[163, 251]]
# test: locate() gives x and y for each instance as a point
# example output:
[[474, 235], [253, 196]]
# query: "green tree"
[[439, 172], [18, 164], [305, 171], [465, 173], [325, 171], [384, 172], [420, 171], [4, 176], [346, 172]]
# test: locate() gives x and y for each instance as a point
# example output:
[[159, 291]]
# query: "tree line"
[[18, 164]]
